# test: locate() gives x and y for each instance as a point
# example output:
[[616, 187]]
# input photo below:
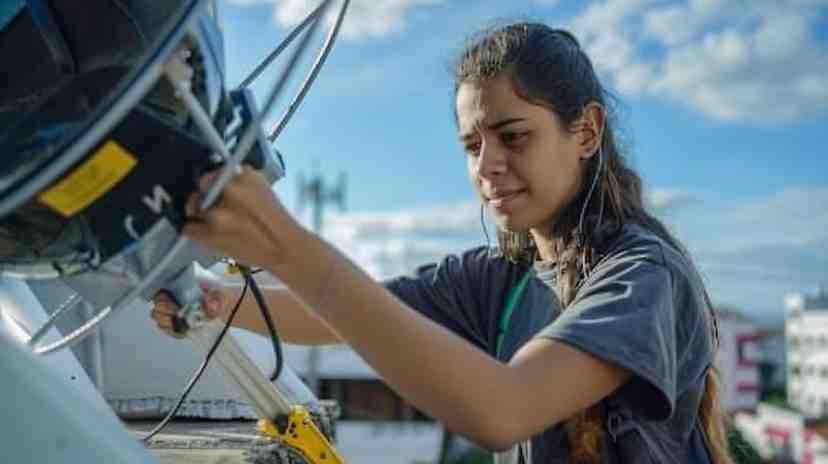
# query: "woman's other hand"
[[214, 304]]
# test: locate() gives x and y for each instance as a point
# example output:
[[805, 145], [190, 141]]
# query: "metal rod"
[[95, 351], [86, 329], [44, 329], [249, 135], [320, 60], [267, 401], [280, 48]]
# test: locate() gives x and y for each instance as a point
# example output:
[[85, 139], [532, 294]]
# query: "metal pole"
[[267, 401], [94, 350], [317, 199]]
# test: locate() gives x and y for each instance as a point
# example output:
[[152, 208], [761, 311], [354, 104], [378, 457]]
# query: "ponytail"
[[712, 419]]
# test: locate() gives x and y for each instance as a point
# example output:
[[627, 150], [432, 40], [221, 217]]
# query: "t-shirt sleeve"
[[448, 292], [625, 314]]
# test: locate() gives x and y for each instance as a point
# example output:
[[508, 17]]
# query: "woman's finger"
[[169, 307], [212, 227], [214, 303], [192, 208], [194, 230], [206, 180], [166, 326], [163, 298], [166, 310], [163, 319], [165, 323]]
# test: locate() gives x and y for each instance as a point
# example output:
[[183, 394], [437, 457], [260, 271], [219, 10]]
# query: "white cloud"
[[734, 237], [745, 61], [365, 18], [440, 221], [756, 252], [751, 254], [794, 216], [388, 244], [666, 200], [758, 277], [675, 24], [607, 15], [758, 61], [669, 24]]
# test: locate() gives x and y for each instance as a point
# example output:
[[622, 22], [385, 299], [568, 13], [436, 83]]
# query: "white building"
[[776, 432], [806, 330], [798, 432], [814, 396], [738, 360]]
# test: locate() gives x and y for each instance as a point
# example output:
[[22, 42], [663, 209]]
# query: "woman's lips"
[[502, 201]]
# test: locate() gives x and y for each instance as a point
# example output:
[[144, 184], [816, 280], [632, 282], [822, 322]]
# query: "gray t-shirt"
[[642, 308]]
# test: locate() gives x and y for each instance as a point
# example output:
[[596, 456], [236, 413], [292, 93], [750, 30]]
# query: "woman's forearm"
[[294, 321], [435, 370]]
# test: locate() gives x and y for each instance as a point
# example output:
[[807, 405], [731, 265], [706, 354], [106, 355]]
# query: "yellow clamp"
[[236, 268], [302, 435]]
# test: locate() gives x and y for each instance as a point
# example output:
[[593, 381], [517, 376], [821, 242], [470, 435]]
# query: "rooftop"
[[816, 302], [727, 312], [803, 302]]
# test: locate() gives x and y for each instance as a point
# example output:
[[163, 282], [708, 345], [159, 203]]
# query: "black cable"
[[271, 327], [200, 369]]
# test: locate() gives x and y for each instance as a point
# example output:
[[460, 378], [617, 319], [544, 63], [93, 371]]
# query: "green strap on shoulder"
[[512, 301]]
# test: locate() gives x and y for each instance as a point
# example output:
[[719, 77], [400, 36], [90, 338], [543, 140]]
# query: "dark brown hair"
[[548, 67]]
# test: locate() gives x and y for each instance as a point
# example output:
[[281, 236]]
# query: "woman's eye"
[[512, 138], [472, 148]]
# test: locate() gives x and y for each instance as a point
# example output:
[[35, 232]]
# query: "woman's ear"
[[590, 129]]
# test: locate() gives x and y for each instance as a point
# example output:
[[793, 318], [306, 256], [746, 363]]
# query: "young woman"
[[586, 337]]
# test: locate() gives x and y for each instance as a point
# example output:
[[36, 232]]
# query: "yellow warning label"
[[89, 181]]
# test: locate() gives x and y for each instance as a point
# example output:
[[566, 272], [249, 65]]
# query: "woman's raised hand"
[[247, 223]]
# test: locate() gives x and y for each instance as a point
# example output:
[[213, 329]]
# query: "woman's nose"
[[492, 160]]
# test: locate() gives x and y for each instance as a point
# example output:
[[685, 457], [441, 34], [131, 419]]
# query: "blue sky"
[[724, 110]]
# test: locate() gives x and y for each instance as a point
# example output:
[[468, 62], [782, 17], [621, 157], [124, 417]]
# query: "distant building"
[[784, 435], [799, 431], [772, 367], [806, 331], [738, 360]]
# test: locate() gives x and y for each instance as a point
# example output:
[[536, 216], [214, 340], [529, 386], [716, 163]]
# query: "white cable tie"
[[180, 74]]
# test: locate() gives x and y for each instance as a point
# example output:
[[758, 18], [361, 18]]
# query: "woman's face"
[[524, 164]]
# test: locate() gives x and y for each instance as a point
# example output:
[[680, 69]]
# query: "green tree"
[[742, 451], [473, 456]]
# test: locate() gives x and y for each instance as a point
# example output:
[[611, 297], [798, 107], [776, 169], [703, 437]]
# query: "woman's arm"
[[294, 321], [494, 404]]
